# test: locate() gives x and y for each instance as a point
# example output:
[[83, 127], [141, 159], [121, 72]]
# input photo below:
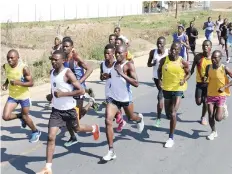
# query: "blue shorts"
[[168, 95], [23, 103]]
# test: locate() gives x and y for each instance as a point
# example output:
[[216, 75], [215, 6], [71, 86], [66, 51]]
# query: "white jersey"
[[107, 70], [58, 83], [157, 58], [218, 23], [124, 39], [119, 87]]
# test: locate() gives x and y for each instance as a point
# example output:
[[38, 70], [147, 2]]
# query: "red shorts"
[[218, 100]]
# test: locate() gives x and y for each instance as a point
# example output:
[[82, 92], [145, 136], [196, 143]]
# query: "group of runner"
[[69, 71]]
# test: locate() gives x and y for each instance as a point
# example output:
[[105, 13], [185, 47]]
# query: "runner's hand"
[[15, 82], [182, 82], [58, 93], [4, 87], [221, 89], [106, 76]]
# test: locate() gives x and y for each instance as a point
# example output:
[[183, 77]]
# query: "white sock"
[[49, 165], [94, 128]]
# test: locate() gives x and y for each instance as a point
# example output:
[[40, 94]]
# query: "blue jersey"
[[183, 38]]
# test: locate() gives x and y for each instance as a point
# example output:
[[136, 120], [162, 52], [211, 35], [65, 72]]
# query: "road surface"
[[136, 153]]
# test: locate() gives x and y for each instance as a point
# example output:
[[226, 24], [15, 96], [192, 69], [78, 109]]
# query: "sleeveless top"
[[183, 38], [16, 73], [107, 70], [217, 79], [119, 87], [172, 74], [157, 58], [201, 69], [58, 83]]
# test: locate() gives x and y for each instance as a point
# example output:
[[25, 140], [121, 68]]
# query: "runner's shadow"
[[19, 130], [194, 135], [151, 84], [186, 121], [19, 162]]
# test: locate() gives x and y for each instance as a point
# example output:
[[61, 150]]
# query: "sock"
[[35, 131], [49, 165], [94, 128], [111, 149], [171, 136]]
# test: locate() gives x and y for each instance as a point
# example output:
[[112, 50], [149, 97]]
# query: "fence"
[[77, 9], [49, 12]]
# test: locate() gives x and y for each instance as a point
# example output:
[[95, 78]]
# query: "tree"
[[176, 9]]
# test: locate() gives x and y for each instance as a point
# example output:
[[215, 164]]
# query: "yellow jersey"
[[16, 73], [217, 79], [172, 74], [201, 69]]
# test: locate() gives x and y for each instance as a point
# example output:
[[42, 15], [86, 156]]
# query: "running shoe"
[[118, 117], [45, 170], [157, 122], [96, 133], [212, 135], [120, 126], [169, 143], [225, 112], [94, 105], [204, 121], [71, 142], [35, 137], [109, 156], [140, 125]]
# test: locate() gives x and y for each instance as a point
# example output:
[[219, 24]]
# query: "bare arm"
[[159, 71], [132, 77], [206, 73], [28, 79], [78, 88], [194, 63], [186, 43], [84, 65], [150, 58], [186, 70]]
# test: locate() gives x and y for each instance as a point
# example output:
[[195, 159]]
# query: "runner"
[[77, 65], [106, 67], [129, 56], [181, 37], [192, 34], [201, 61], [19, 79], [122, 76], [155, 56], [218, 23], [223, 28], [229, 40], [217, 91], [57, 43], [64, 86], [209, 28], [173, 74], [112, 38], [117, 31]]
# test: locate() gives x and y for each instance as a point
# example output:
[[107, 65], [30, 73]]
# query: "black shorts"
[[201, 90], [118, 103], [61, 118], [168, 95]]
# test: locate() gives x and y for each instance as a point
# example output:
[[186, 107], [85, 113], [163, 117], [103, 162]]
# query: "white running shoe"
[[169, 143], [212, 135], [225, 112], [140, 125], [109, 156], [228, 60]]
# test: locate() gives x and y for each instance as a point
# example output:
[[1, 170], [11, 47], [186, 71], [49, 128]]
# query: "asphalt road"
[[136, 153]]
